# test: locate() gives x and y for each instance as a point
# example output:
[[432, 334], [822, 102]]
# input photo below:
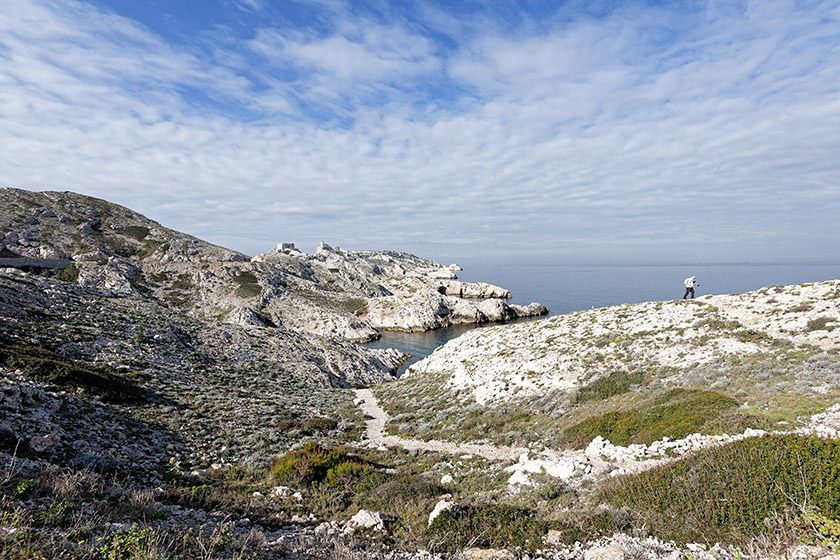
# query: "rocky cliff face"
[[332, 292]]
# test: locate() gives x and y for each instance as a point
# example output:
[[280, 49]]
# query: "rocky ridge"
[[348, 294], [683, 340]]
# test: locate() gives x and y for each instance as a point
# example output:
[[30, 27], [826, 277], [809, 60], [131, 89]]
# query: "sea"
[[569, 288]]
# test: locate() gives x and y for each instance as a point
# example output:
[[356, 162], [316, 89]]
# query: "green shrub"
[[726, 493], [44, 365], [613, 384], [69, 273], [346, 474], [506, 526], [57, 515], [487, 526], [137, 232], [820, 530], [248, 290], [248, 285], [354, 306], [243, 278], [819, 324], [309, 465], [128, 544], [754, 336], [24, 489], [150, 246], [675, 414]]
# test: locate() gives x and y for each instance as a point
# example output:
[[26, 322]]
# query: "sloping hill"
[[331, 292], [716, 364]]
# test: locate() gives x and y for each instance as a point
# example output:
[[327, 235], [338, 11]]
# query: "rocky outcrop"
[[333, 292], [472, 290], [682, 338]]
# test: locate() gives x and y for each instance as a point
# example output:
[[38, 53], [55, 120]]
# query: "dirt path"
[[375, 434]]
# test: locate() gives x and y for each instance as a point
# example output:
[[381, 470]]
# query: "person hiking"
[[690, 282]]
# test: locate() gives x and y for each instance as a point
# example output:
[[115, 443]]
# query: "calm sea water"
[[568, 288]]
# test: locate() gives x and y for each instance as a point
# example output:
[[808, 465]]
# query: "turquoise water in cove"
[[568, 288]]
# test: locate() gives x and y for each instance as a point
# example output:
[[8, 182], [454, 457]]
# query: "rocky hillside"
[[161, 397], [332, 292], [729, 362]]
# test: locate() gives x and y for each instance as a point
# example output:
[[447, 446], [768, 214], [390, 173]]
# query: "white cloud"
[[586, 133]]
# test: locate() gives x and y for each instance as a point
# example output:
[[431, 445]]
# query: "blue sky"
[[581, 131]]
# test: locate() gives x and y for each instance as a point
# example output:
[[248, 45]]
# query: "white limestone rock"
[[444, 504], [610, 552], [366, 519], [563, 353], [246, 317]]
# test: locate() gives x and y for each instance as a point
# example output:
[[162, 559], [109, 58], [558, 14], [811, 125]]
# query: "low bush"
[[676, 414], [137, 232], [613, 384], [487, 526], [45, 365], [248, 284], [129, 543], [820, 324], [69, 274], [507, 526], [315, 464], [727, 493]]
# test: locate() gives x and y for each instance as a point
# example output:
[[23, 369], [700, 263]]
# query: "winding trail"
[[375, 435], [572, 465]]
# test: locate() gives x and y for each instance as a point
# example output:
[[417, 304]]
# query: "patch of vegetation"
[[180, 291], [150, 246], [130, 543], [820, 530], [820, 324], [507, 526], [45, 365], [137, 232], [30, 203], [248, 285], [676, 414], [614, 383], [64, 514], [315, 464], [728, 493], [248, 290], [69, 273], [244, 277], [354, 306], [753, 336], [307, 426], [120, 245]]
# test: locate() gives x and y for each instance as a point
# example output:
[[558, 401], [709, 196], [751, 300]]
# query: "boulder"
[[367, 519], [39, 444], [246, 317]]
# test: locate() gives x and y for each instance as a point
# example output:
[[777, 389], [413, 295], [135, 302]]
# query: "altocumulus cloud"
[[698, 130]]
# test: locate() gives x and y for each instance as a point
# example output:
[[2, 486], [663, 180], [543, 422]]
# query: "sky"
[[585, 131]]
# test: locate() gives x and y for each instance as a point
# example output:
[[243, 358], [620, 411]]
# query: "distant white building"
[[285, 246]]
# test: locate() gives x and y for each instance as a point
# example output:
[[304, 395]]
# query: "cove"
[[422, 344]]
